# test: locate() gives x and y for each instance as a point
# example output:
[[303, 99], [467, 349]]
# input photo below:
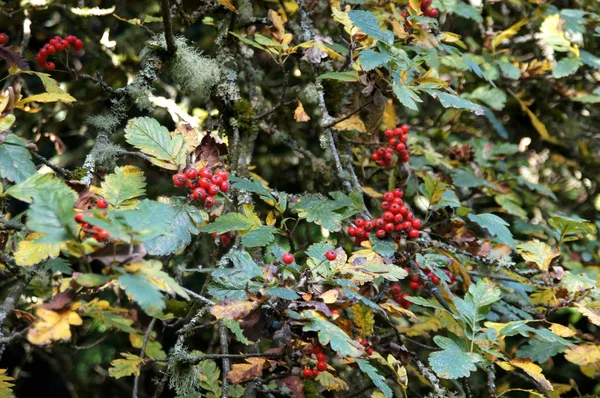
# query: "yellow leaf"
[[228, 4], [423, 326], [583, 354], [241, 372], [397, 311], [53, 326], [300, 115], [498, 327], [277, 21], [544, 296], [538, 253], [343, 18], [251, 215], [46, 97], [416, 6], [30, 252], [330, 296], [553, 33], [562, 331], [537, 123], [372, 193], [271, 218], [7, 121], [532, 370], [331, 383], [364, 318], [6, 384], [352, 123], [508, 33], [592, 315], [130, 366], [233, 310], [390, 118]]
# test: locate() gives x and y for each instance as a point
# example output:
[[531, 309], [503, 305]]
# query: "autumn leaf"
[[538, 253], [233, 310], [130, 366], [228, 4], [364, 318], [242, 372], [562, 331], [300, 114], [354, 122], [332, 383], [592, 315], [533, 370], [583, 354], [6, 384], [30, 251], [53, 325]]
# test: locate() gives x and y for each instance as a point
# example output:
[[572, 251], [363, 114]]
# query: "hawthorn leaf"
[[332, 383], [539, 253], [252, 185], [369, 25], [130, 366], [260, 236], [241, 372], [110, 319], [532, 370], [228, 222], [329, 333], [592, 314], [58, 264], [383, 247], [149, 220], [540, 351], [566, 67], [236, 329], [45, 98], [143, 292], [121, 188], [583, 354], [6, 384], [283, 292], [406, 96], [51, 214], [364, 318], [452, 362], [569, 228], [91, 280], [53, 325], [370, 59], [15, 159], [147, 135], [377, 379], [495, 226], [31, 251], [233, 310], [37, 182]]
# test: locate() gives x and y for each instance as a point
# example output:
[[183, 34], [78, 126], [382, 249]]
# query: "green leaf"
[[452, 362], [407, 97], [110, 320], [509, 70], [369, 25], [252, 185], [143, 292], [209, 376], [58, 265], [283, 292], [466, 11], [228, 222], [570, 228], [260, 236], [129, 366], [370, 59], [425, 302], [566, 67], [179, 233], [498, 126], [51, 214], [36, 183], [121, 187], [331, 334], [452, 101], [433, 189], [377, 379], [577, 283], [477, 303], [589, 59], [165, 282], [495, 98], [147, 135], [92, 280], [149, 219], [15, 159], [496, 226], [326, 213], [383, 247], [247, 41], [350, 76], [540, 351], [466, 178], [235, 327]]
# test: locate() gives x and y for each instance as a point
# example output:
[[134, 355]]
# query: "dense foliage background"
[[116, 282]]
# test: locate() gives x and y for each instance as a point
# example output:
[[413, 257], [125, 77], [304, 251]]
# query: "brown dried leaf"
[[234, 310], [300, 114], [211, 147], [13, 58], [294, 384], [122, 254], [354, 122], [228, 4], [61, 300], [241, 372]]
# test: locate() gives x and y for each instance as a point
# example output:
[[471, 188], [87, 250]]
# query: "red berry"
[[307, 373], [414, 278], [398, 193], [315, 373], [405, 128], [192, 173], [396, 290], [321, 357], [352, 231], [224, 186], [223, 174], [413, 285], [199, 194], [50, 66], [288, 258], [85, 226], [416, 223], [321, 366], [330, 255], [101, 203], [369, 225], [205, 183], [400, 147], [79, 218], [389, 227], [209, 202], [369, 351], [205, 172], [413, 233], [192, 184], [375, 156], [51, 49], [217, 179], [59, 46], [335, 312], [398, 219], [3, 38], [53, 42], [388, 196], [66, 44], [425, 3], [359, 222], [78, 45], [433, 13], [380, 233], [71, 39], [225, 239], [364, 343], [43, 53], [379, 223], [435, 280], [361, 233], [395, 208], [388, 216], [213, 190], [388, 132], [385, 205], [100, 234]]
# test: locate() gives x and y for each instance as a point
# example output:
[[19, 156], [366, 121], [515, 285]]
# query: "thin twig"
[[10, 225], [57, 169], [224, 337], [430, 286], [136, 381], [348, 116], [166, 11], [491, 381], [197, 360], [199, 297], [92, 345]]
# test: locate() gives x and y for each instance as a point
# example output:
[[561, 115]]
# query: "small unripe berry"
[[331, 255], [179, 179], [192, 173], [287, 258], [101, 203]]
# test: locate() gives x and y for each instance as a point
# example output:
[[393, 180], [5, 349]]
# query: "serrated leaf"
[[364, 318], [31, 251], [566, 67], [591, 314], [453, 101], [328, 333], [452, 362], [233, 310], [52, 325], [331, 383], [538, 253], [143, 292], [354, 122], [569, 228], [383, 247], [235, 327], [466, 178], [58, 265], [532, 370], [45, 98], [15, 159], [433, 189], [350, 76], [153, 348], [326, 213], [51, 214], [130, 366], [406, 96], [583, 354], [260, 236], [178, 235], [6, 382], [123, 186], [25, 190], [228, 222], [149, 219], [496, 227], [370, 59], [477, 303], [540, 351], [495, 98], [508, 33], [147, 135], [369, 25], [283, 292], [377, 379], [241, 372]]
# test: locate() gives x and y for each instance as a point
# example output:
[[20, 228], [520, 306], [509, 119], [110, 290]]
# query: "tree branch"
[[167, 22], [10, 225], [136, 381], [224, 337], [57, 169]]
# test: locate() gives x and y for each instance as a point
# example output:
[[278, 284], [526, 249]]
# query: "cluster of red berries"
[[368, 348], [428, 12], [3, 38], [400, 297], [416, 282], [57, 44], [397, 139], [97, 233], [317, 352], [224, 238], [203, 185], [396, 221]]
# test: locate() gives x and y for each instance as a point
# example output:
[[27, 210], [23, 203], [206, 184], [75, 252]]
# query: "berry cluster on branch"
[[57, 44], [397, 139], [203, 185]]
